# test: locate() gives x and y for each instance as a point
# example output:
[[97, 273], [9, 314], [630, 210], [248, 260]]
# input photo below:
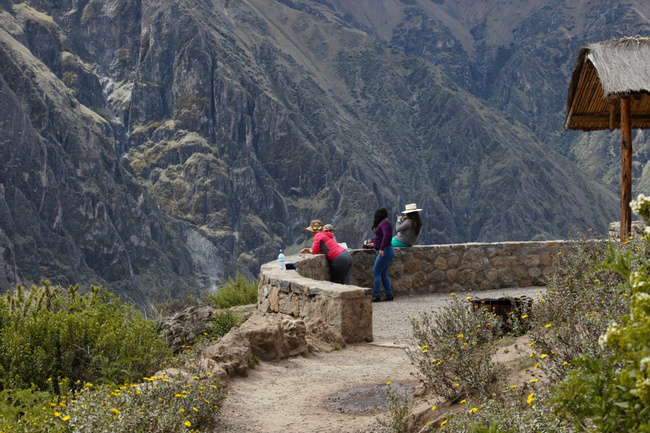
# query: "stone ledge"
[[307, 292]]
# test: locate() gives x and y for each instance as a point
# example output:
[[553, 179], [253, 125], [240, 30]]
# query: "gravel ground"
[[338, 391], [391, 320]]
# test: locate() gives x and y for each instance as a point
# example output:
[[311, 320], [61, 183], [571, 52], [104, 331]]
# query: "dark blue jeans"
[[380, 272]]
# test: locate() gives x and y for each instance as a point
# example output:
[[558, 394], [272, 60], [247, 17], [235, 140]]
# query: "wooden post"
[[626, 170]]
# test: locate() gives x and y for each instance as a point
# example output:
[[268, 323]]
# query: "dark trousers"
[[341, 268]]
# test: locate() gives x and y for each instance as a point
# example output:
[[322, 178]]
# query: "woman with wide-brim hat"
[[408, 227], [339, 257]]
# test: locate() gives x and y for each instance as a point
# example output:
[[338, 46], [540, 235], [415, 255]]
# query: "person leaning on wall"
[[408, 227], [339, 257]]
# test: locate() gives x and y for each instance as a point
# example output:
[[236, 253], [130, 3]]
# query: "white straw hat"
[[411, 207]]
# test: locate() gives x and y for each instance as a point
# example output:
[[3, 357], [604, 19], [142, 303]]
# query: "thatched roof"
[[603, 73]]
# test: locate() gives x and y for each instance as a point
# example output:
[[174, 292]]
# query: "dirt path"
[[309, 394], [298, 395]]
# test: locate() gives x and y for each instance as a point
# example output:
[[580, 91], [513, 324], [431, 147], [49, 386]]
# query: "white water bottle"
[[281, 259]]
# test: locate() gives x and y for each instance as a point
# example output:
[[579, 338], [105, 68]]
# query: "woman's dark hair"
[[380, 215], [417, 221]]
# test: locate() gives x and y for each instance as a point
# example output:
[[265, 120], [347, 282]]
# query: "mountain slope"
[[193, 139], [518, 57]]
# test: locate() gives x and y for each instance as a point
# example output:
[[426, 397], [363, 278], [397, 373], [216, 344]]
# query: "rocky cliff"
[[156, 147]]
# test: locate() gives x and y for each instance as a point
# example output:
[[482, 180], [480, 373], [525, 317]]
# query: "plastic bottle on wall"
[[281, 260]]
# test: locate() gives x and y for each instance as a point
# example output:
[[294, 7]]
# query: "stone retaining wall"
[[463, 267], [307, 292], [347, 309]]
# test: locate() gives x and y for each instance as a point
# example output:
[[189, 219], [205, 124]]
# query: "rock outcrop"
[[271, 337]]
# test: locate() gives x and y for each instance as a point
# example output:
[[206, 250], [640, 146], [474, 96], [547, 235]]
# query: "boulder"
[[323, 338], [182, 328], [266, 337], [295, 333], [232, 353]]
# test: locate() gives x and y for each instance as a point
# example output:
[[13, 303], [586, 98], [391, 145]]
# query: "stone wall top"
[[451, 267]]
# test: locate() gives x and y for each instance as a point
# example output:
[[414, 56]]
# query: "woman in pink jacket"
[[339, 258]]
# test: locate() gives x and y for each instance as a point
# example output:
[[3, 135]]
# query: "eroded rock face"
[[232, 353], [271, 337], [130, 128], [183, 327]]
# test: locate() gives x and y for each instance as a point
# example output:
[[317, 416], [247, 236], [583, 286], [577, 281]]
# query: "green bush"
[[603, 383], [611, 393], [454, 356], [398, 406], [223, 322], [51, 333], [233, 293], [580, 301], [161, 404], [518, 410]]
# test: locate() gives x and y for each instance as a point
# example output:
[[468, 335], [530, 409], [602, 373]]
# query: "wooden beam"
[[626, 170], [603, 118]]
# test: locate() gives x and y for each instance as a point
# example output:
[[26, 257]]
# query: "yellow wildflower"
[[531, 397]]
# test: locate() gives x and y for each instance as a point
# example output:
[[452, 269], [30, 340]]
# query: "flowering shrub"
[[612, 393], [517, 410], [49, 332], [161, 404], [641, 206], [454, 358], [580, 300], [72, 348], [601, 385]]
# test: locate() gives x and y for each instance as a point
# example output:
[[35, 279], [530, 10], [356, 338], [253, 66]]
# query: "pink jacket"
[[324, 243]]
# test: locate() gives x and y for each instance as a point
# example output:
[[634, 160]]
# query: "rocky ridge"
[[158, 147]]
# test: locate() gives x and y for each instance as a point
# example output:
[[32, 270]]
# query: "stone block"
[[412, 265], [532, 260], [440, 263], [274, 294], [491, 274], [467, 276], [285, 304], [438, 276], [534, 273], [453, 276]]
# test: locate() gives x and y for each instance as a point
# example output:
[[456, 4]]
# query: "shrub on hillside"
[[579, 302], [51, 333], [165, 404], [590, 288], [611, 393], [239, 291], [454, 356]]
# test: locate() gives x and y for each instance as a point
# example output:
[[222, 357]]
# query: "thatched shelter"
[[610, 89]]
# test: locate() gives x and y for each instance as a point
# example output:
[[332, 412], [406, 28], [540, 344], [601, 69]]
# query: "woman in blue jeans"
[[385, 255]]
